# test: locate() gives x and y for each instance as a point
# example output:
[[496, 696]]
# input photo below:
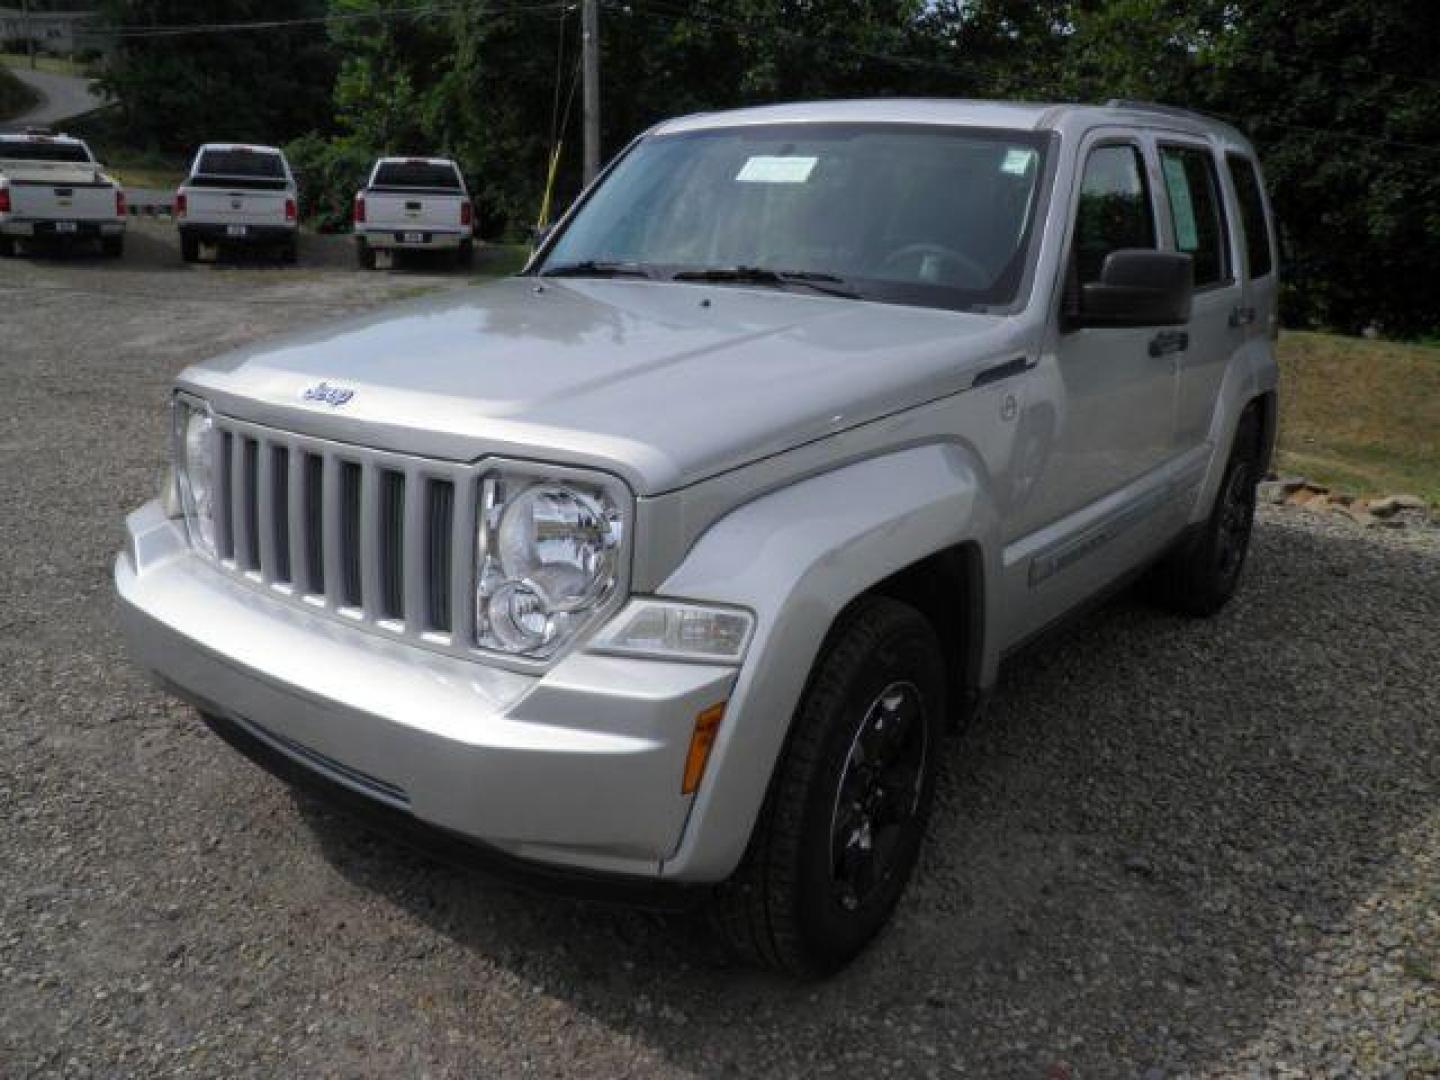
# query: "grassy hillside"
[[1361, 416], [15, 96]]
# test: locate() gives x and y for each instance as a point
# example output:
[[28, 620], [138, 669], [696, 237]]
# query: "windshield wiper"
[[763, 275], [597, 268]]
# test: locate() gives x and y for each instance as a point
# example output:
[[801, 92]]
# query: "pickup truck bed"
[[416, 205], [65, 199], [237, 196]]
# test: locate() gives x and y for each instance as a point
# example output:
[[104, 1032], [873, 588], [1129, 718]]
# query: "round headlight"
[[198, 473], [560, 543], [552, 556]]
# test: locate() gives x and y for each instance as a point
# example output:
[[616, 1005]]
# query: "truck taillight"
[[4, 200], [290, 210], [179, 204], [467, 212], [359, 209], [119, 203]]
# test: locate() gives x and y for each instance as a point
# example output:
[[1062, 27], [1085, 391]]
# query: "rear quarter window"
[[1252, 214], [1193, 188]]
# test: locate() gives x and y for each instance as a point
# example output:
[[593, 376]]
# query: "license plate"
[[236, 230], [412, 238], [65, 226]]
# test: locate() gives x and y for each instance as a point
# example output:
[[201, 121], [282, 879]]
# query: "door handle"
[[1241, 315], [1168, 341]]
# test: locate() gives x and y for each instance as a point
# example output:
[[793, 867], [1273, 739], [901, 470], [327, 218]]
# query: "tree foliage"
[[1339, 96]]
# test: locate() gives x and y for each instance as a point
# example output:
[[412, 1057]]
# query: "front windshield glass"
[[938, 216]]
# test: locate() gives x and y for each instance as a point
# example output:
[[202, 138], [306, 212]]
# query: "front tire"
[[1201, 576], [842, 825]]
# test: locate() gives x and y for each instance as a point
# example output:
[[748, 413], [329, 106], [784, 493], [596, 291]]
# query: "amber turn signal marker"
[[706, 726]]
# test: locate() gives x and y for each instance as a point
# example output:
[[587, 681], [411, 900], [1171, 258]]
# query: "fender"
[[796, 558], [1252, 371]]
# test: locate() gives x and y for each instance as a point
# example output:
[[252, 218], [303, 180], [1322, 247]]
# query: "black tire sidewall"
[[907, 652]]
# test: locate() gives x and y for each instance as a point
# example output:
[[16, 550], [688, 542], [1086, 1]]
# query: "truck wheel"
[[290, 251], [465, 254], [112, 247], [846, 812], [7, 247], [364, 255], [189, 248], [1203, 573]]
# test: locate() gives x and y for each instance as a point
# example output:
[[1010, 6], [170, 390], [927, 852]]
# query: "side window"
[[1252, 214], [1195, 211], [1114, 209]]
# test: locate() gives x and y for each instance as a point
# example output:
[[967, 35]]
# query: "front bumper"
[[402, 240], [207, 232], [578, 768], [56, 229]]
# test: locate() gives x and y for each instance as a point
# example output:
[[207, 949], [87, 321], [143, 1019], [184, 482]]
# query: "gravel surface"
[[1171, 848]]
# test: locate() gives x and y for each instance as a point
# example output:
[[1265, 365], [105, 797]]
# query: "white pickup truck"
[[414, 204], [51, 186], [237, 195]]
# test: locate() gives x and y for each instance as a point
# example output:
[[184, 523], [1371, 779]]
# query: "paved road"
[[61, 97]]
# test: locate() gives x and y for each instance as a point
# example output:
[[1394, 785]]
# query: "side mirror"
[[1139, 287]]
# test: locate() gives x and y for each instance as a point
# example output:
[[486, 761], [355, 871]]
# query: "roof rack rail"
[[1152, 106]]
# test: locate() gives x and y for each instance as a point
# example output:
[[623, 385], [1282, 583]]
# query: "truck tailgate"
[[236, 205], [62, 202], [416, 211]]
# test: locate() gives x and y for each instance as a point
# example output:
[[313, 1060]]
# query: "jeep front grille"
[[366, 535]]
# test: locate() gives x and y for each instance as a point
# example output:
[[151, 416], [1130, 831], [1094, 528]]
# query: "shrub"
[[328, 172]]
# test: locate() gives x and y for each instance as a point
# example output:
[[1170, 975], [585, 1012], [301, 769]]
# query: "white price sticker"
[[776, 170]]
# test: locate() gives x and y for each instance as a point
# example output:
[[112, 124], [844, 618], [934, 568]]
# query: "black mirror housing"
[[1139, 287]]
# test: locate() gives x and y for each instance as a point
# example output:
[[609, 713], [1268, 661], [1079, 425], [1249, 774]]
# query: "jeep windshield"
[[907, 214]]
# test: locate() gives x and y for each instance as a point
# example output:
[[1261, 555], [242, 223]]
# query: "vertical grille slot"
[[351, 589], [247, 549], [222, 502], [314, 503], [279, 511], [439, 522], [392, 545]]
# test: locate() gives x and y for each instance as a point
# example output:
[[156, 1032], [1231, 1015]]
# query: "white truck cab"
[[52, 188], [236, 195], [413, 204]]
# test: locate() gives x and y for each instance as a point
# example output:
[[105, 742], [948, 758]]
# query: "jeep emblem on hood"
[[334, 396]]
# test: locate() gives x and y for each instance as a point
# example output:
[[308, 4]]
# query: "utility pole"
[[29, 32], [590, 64]]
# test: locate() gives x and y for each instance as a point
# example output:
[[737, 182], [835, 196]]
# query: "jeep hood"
[[663, 383]]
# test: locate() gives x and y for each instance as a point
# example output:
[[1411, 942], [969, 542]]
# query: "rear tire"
[[842, 825], [290, 252], [112, 247], [7, 247], [364, 255], [189, 248], [465, 255], [1201, 575]]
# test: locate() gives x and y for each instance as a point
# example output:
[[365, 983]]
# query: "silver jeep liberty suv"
[[670, 561]]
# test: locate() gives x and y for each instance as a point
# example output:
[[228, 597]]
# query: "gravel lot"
[[1171, 848]]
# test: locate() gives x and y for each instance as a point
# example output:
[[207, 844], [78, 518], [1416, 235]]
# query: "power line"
[[392, 14]]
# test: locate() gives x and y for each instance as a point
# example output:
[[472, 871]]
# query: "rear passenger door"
[[1199, 227], [1259, 278]]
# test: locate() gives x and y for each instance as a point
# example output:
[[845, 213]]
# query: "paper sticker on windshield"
[[776, 170], [1017, 162]]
